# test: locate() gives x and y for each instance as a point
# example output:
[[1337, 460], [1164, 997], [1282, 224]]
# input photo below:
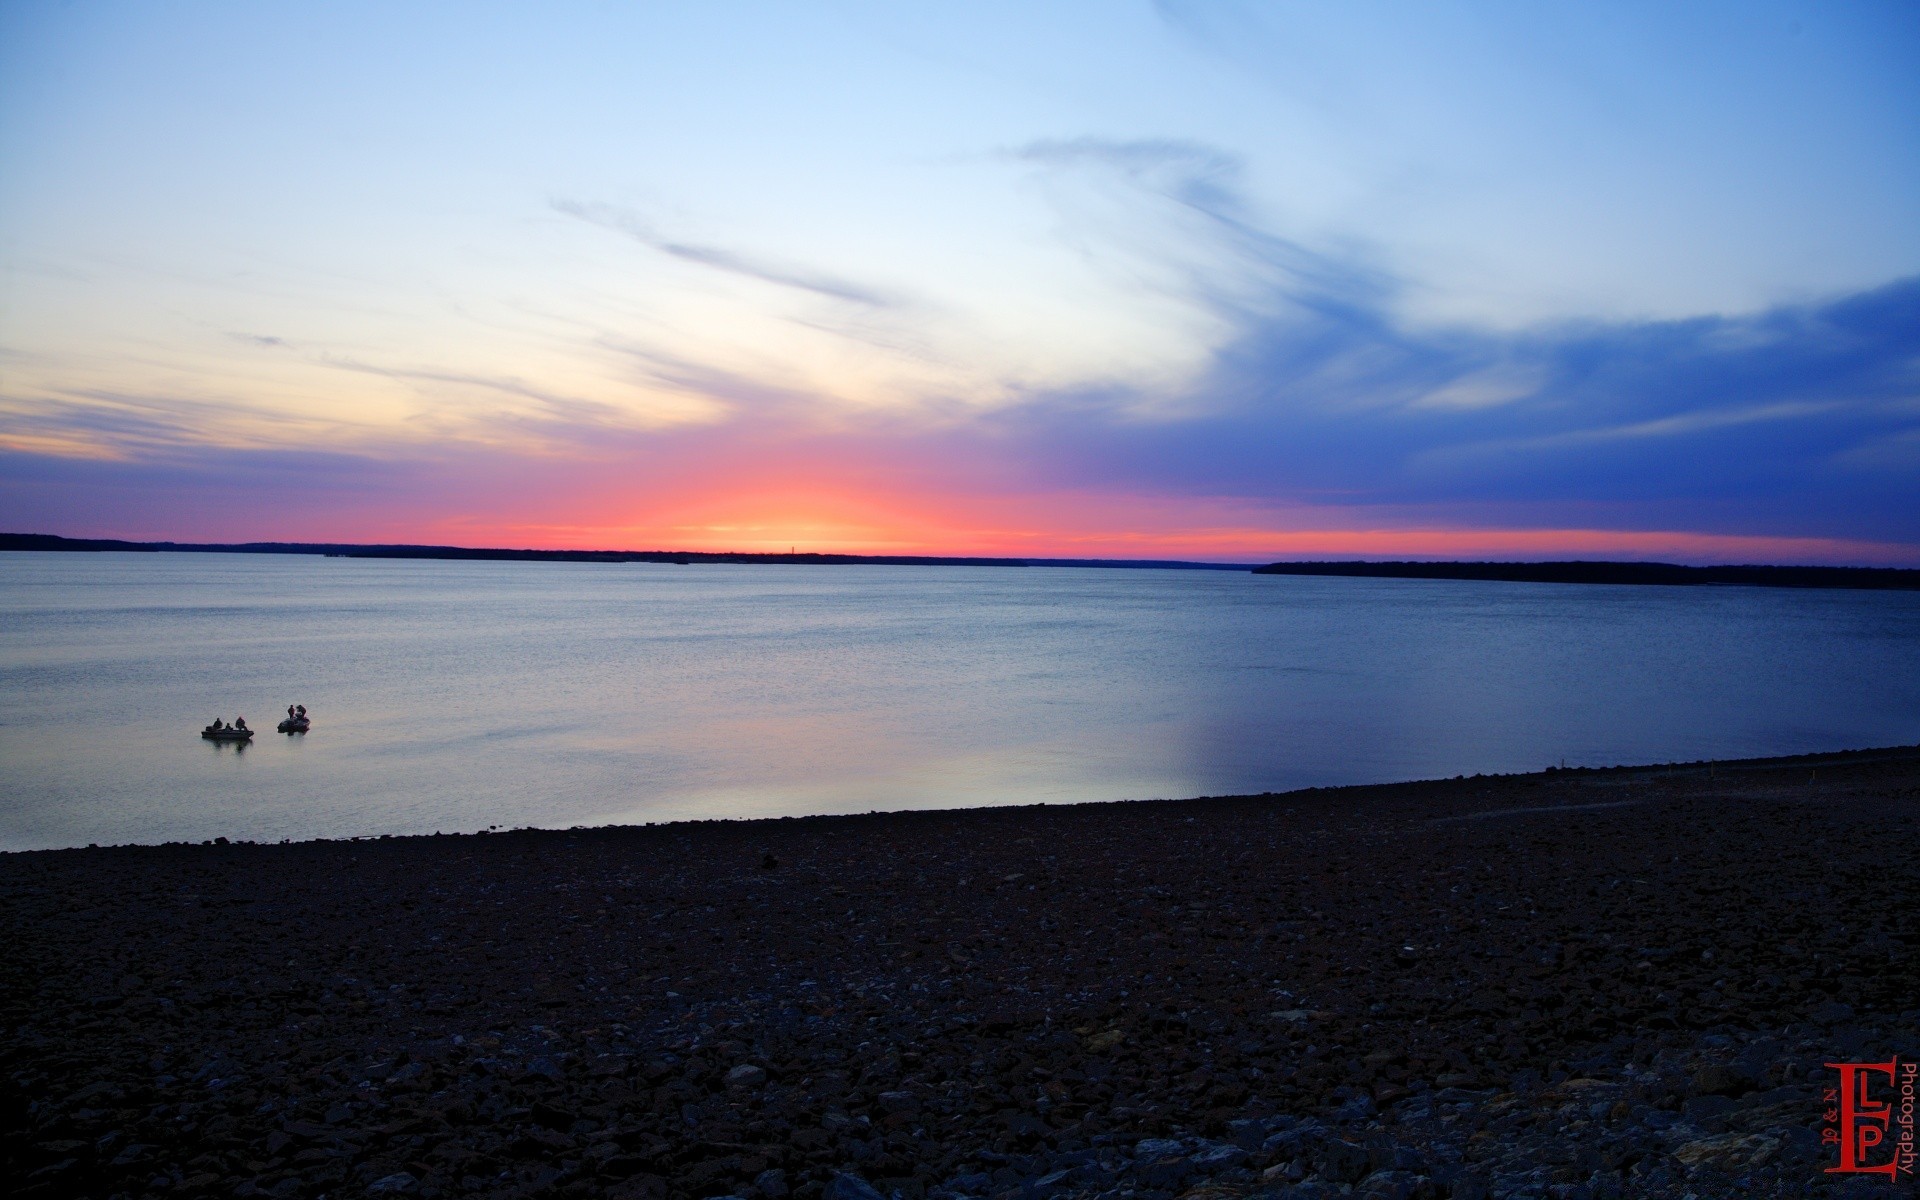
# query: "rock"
[[897, 1102], [772, 1184], [1390, 1185], [1302, 1139], [746, 1075], [1694, 1153], [1720, 1079], [1093, 1177], [1314, 1189], [1218, 1158], [399, 1183], [93, 1091], [553, 1117], [1152, 1148], [1344, 1162], [1707, 1108], [851, 1187], [620, 1166], [1392, 1156], [1026, 1128], [1165, 1173]]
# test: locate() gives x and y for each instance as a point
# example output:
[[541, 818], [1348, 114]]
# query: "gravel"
[[1572, 984]]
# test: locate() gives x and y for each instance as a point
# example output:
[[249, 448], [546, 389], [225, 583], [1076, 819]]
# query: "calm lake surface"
[[455, 696]]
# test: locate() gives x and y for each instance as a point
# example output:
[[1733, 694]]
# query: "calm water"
[[462, 695]]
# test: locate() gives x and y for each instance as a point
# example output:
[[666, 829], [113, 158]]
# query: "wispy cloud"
[[1233, 260], [732, 262], [129, 426], [569, 410], [1202, 176]]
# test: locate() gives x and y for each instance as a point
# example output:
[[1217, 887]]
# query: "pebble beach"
[[1580, 983]]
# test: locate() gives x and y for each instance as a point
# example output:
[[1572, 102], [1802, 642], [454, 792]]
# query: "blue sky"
[[1197, 279]]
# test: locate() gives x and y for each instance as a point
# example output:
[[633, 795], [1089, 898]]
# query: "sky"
[[1220, 281]]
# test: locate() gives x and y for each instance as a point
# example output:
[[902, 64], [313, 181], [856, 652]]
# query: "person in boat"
[[303, 711], [289, 712], [239, 722]]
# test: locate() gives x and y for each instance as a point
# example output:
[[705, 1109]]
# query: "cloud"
[[103, 424], [1318, 407], [1778, 420], [1321, 393], [558, 410], [1201, 176], [1798, 422], [730, 261]]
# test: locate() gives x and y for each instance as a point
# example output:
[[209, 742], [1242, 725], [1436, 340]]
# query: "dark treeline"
[[1872, 578], [44, 541]]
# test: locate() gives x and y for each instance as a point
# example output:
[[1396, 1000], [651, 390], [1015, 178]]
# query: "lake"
[[463, 695]]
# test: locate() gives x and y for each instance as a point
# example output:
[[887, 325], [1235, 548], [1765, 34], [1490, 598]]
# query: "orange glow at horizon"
[[850, 521]]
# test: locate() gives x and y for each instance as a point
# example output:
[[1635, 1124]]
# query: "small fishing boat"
[[294, 725], [226, 733]]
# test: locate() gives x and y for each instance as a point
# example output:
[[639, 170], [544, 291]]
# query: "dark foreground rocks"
[[1578, 984]]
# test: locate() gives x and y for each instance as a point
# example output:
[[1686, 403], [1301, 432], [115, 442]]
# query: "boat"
[[294, 725], [226, 733]]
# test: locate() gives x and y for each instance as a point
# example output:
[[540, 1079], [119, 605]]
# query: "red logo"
[[1870, 1118]]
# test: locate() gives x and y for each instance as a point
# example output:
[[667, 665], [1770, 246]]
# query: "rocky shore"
[[1573, 984]]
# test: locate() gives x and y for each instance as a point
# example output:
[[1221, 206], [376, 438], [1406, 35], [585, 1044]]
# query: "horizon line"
[[27, 542]]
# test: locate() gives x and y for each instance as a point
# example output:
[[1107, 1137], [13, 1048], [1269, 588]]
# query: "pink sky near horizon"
[[847, 521], [734, 488]]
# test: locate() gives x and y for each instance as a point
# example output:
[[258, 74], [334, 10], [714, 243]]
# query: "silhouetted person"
[[239, 722], [289, 712]]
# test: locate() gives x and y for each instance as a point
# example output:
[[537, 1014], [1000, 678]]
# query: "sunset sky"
[[1176, 280]]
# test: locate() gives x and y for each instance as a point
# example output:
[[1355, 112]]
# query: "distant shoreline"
[[1642, 573], [50, 542]]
